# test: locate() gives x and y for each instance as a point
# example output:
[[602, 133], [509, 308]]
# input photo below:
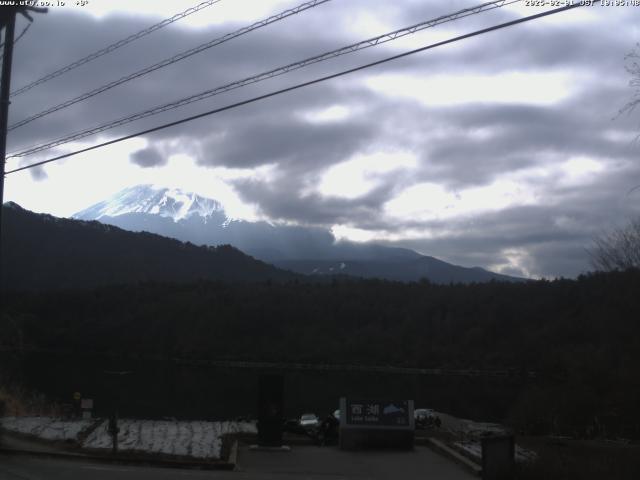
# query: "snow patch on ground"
[[46, 428], [202, 440], [470, 434]]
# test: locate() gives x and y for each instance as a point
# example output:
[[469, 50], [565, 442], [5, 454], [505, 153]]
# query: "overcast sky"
[[504, 151]]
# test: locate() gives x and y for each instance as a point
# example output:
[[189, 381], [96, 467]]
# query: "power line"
[[267, 75], [304, 84], [115, 46], [171, 60]]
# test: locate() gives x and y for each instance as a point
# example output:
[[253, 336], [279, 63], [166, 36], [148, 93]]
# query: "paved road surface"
[[31, 468], [17, 442], [312, 463], [330, 463]]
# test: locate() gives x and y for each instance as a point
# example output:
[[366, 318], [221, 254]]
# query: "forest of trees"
[[581, 337]]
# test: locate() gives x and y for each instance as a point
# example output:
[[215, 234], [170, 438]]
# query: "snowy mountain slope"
[[149, 199]]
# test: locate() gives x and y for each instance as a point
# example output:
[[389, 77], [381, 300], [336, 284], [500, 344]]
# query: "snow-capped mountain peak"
[[150, 199]]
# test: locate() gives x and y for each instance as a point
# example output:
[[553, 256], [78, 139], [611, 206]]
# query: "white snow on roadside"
[[46, 428], [201, 440], [470, 434]]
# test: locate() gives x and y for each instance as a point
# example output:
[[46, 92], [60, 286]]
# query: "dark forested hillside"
[[581, 337], [43, 252]]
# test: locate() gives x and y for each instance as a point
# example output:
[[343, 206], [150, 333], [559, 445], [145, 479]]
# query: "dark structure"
[[270, 410], [498, 457]]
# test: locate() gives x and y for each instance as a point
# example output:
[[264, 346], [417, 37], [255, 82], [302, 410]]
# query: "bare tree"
[[617, 250], [620, 249], [633, 67]]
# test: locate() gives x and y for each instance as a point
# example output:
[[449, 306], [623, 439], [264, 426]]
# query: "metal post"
[[113, 431], [116, 390]]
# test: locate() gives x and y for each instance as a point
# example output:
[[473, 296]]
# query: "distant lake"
[[156, 389]]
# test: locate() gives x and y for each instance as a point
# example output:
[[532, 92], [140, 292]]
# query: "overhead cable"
[[302, 85], [267, 75], [171, 60], [114, 46]]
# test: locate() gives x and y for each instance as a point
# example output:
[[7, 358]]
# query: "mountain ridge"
[[43, 252], [294, 248]]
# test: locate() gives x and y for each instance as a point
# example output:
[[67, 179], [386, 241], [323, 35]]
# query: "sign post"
[[376, 423], [86, 404]]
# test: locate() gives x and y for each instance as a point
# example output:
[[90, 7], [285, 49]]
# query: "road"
[[312, 463], [31, 468]]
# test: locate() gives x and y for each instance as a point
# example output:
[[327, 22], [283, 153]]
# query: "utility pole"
[[8, 22]]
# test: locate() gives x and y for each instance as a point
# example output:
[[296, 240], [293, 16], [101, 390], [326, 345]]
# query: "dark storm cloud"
[[287, 141], [551, 237], [256, 52], [148, 157], [520, 137], [516, 137], [244, 56], [275, 200], [456, 162], [38, 173], [532, 239], [281, 200]]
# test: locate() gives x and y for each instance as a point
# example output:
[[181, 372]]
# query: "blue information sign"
[[383, 413]]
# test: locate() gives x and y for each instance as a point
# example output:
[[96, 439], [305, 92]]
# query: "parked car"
[[309, 421], [425, 417]]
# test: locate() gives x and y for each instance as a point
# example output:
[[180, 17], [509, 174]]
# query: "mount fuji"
[[187, 216], [167, 203]]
